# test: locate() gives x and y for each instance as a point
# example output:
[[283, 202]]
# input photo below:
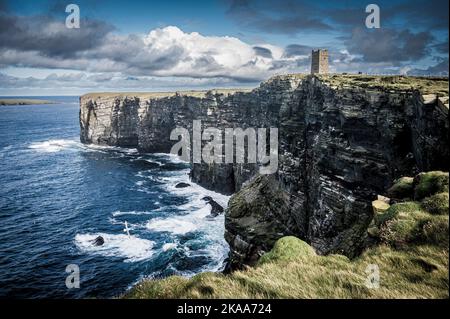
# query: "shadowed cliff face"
[[342, 141]]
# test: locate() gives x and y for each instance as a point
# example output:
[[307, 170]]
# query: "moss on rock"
[[436, 204], [430, 183], [402, 188], [403, 229], [288, 248], [396, 209], [408, 223], [435, 231]]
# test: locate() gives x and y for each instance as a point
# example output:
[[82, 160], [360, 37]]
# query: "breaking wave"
[[55, 145], [131, 248]]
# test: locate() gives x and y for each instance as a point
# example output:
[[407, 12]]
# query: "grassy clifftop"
[[159, 95], [409, 250], [426, 85]]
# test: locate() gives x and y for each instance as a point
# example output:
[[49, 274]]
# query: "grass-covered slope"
[[410, 251]]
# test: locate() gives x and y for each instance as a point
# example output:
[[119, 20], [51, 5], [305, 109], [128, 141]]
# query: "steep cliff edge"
[[342, 141]]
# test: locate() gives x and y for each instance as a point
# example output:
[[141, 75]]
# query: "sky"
[[183, 45]]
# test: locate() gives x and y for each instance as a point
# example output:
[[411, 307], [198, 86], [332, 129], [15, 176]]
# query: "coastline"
[[13, 101]]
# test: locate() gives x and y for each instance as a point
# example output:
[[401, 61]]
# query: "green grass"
[[402, 188], [436, 204], [287, 249], [425, 85], [419, 272], [411, 254], [405, 208], [430, 183]]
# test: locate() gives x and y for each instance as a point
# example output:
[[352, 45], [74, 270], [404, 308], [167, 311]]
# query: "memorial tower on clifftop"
[[319, 62]]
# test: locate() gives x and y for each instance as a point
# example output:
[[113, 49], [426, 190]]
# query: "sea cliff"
[[343, 139]]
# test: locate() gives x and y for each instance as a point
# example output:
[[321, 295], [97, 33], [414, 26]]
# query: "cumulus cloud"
[[164, 51], [95, 56]]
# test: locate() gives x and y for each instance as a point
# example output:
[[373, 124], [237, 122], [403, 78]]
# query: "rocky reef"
[[343, 139]]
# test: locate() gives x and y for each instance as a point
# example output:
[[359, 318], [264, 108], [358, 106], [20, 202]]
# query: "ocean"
[[57, 195]]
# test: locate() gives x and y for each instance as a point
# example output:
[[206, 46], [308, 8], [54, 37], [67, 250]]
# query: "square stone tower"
[[319, 62]]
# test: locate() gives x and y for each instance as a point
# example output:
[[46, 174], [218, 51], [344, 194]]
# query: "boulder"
[[182, 185], [216, 209], [99, 241]]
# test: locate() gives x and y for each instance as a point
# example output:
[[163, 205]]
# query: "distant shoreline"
[[5, 102]]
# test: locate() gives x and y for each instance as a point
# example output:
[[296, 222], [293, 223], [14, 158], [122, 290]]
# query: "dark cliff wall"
[[338, 148]]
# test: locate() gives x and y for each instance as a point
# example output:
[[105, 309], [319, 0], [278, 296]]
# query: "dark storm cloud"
[[4, 7], [432, 14], [50, 36], [290, 17], [441, 68], [441, 47], [380, 45], [264, 52], [296, 50], [287, 17]]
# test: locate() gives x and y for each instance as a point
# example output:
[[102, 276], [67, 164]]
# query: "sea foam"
[[131, 248]]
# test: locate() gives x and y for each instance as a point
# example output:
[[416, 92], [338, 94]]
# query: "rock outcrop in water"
[[98, 241], [342, 141]]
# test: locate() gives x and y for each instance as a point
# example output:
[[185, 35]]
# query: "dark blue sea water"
[[57, 195]]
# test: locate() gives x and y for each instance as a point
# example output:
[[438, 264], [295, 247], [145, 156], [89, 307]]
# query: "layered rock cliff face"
[[342, 141]]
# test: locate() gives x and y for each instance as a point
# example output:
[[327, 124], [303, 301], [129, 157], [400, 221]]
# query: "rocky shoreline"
[[343, 140]]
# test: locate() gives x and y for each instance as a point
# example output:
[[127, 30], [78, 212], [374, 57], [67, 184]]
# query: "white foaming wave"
[[55, 145], [131, 226], [142, 174], [169, 246], [96, 147], [175, 226], [196, 219], [139, 183], [119, 213], [132, 248], [170, 157], [180, 225], [195, 192], [154, 162]]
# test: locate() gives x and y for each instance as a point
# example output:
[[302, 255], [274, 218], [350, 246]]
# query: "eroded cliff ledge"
[[343, 139]]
